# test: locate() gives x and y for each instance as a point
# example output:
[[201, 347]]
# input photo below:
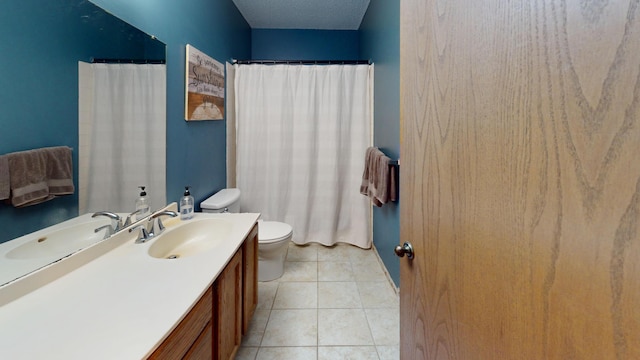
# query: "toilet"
[[273, 236]]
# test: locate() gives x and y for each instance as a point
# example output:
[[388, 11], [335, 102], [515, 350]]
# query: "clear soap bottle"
[[142, 204], [186, 205]]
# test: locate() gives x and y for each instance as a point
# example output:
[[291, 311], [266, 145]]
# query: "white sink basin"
[[190, 238], [60, 242]]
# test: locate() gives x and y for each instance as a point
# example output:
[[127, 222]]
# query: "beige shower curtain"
[[122, 140], [302, 133]]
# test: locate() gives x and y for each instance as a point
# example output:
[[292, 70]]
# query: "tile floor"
[[331, 303]]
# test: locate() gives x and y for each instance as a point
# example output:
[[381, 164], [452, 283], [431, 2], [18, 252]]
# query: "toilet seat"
[[273, 231]]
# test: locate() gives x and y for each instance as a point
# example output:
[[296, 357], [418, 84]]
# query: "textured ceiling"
[[303, 14]]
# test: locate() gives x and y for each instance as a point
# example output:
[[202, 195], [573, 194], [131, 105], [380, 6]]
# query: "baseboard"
[[384, 268]]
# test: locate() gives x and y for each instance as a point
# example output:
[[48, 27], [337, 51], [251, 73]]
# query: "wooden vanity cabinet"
[[188, 333], [203, 347], [250, 278], [227, 309], [213, 329], [235, 298]]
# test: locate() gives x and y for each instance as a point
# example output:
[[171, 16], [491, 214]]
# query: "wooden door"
[[520, 179]]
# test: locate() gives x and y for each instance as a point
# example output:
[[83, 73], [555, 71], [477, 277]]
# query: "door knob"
[[405, 249]]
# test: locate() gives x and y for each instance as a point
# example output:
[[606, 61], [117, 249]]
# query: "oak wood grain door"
[[520, 179]]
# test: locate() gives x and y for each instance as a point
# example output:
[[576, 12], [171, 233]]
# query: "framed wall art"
[[204, 90]]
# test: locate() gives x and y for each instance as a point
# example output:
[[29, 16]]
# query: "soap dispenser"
[[142, 204], [186, 205]]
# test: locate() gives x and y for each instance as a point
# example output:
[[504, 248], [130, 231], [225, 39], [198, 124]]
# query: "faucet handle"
[[128, 221], [107, 233], [160, 226], [143, 236]]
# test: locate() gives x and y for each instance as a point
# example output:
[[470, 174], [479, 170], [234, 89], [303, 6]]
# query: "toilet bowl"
[[273, 236], [273, 241]]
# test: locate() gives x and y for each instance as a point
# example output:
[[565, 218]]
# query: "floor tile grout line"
[[366, 317], [317, 308]]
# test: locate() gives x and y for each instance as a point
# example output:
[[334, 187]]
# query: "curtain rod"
[[303, 62], [126, 61]]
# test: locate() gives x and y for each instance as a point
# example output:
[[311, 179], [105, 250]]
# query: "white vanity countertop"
[[119, 306]]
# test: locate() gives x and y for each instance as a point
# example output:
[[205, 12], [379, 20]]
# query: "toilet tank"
[[225, 200]]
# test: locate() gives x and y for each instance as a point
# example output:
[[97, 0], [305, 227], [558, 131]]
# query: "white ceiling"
[[303, 14]]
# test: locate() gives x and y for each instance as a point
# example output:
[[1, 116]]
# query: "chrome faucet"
[[149, 231], [152, 220], [113, 216]]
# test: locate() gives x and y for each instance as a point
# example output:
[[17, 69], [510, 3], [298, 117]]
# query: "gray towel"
[[5, 179], [59, 171], [40, 175], [378, 178], [369, 168]]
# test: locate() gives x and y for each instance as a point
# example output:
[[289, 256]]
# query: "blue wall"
[[380, 41], [275, 44], [196, 151], [40, 46]]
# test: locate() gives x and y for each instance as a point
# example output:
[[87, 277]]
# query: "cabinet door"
[[250, 277], [228, 309], [176, 345], [203, 347]]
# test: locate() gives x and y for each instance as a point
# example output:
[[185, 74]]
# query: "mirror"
[[40, 47]]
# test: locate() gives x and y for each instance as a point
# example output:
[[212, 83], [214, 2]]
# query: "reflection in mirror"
[[122, 136], [40, 47], [41, 248]]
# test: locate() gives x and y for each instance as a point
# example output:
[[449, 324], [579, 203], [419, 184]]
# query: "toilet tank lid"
[[221, 199]]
